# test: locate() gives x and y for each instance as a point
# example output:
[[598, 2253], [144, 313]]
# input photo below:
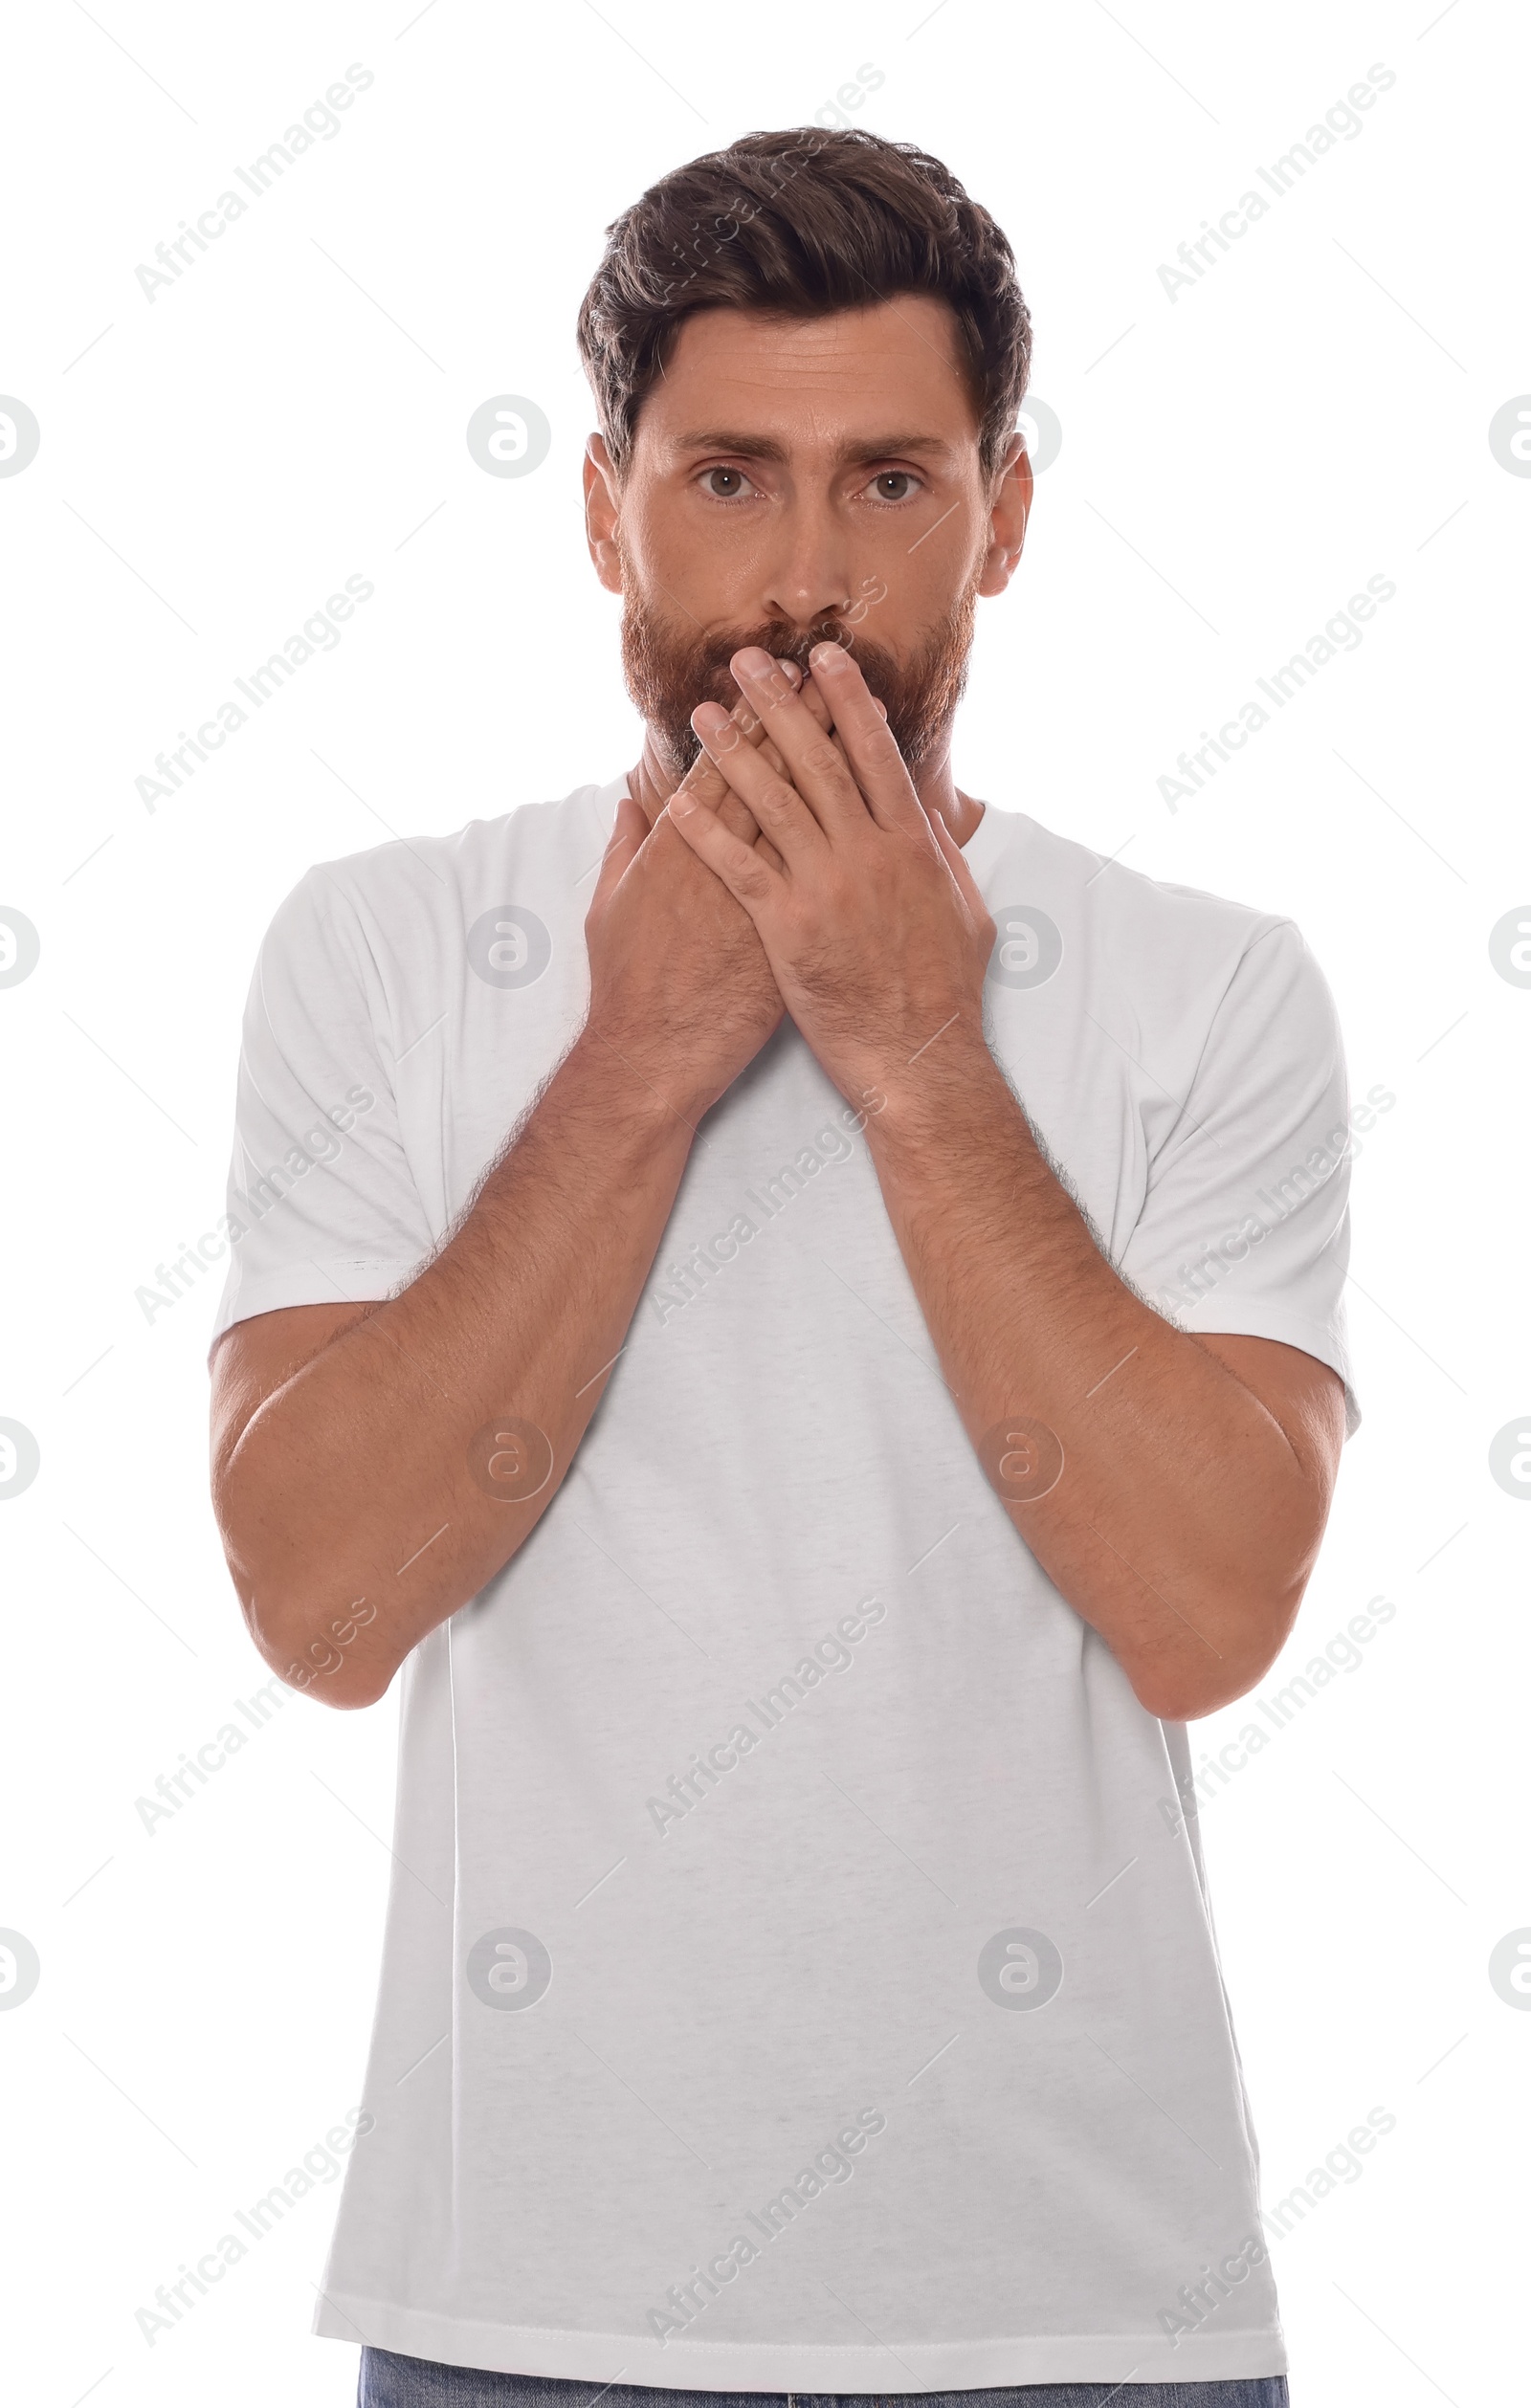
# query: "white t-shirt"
[[797, 1974]]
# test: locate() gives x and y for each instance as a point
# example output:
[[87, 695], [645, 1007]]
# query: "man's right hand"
[[680, 989], [346, 1438]]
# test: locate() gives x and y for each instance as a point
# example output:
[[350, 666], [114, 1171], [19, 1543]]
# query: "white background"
[[1235, 463]]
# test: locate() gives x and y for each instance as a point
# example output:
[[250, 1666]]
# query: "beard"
[[671, 667]]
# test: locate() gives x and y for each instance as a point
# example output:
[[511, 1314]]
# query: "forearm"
[[1181, 1523], [404, 1463]]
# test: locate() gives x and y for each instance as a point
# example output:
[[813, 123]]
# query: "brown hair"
[[802, 223]]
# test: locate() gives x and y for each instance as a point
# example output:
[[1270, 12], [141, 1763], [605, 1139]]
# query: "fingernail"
[[831, 656], [716, 729]]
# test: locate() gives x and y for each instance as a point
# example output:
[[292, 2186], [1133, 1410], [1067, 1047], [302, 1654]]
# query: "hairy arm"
[[1174, 1488], [374, 1465]]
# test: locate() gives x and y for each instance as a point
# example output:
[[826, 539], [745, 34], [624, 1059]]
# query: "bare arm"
[[375, 1465], [1175, 1489]]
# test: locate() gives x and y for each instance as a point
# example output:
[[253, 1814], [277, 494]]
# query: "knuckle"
[[737, 817], [880, 745], [823, 759]]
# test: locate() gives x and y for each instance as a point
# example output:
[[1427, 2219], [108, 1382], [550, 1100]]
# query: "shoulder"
[[1157, 940], [414, 873], [390, 901]]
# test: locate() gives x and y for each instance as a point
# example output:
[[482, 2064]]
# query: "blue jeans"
[[388, 2381]]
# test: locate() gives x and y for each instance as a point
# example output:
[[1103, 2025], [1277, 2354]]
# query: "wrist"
[[952, 1084], [634, 1085]]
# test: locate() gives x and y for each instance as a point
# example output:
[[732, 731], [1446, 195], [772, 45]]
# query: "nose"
[[805, 575]]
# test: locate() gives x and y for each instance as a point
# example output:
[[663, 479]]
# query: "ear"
[[1009, 512], [603, 504]]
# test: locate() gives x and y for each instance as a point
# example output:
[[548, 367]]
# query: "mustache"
[[669, 671], [713, 654], [708, 662]]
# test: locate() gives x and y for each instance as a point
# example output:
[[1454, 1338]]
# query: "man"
[[803, 1312]]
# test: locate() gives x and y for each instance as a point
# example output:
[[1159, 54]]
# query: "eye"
[[894, 484], [732, 485]]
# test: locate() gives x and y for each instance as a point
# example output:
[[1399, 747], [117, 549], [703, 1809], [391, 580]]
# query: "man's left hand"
[[870, 919]]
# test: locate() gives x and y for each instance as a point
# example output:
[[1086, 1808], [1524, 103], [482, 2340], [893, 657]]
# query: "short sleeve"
[[1245, 1225], [322, 1206]]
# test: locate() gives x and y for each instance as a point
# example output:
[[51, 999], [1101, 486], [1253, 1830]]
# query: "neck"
[[657, 776]]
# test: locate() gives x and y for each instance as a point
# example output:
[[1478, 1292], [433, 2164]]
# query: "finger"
[[813, 694], [957, 862], [817, 767], [742, 869], [814, 697], [877, 764], [706, 782], [736, 816], [628, 831], [755, 729], [779, 810]]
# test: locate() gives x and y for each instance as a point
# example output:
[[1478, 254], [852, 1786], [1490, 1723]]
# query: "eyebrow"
[[755, 447]]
